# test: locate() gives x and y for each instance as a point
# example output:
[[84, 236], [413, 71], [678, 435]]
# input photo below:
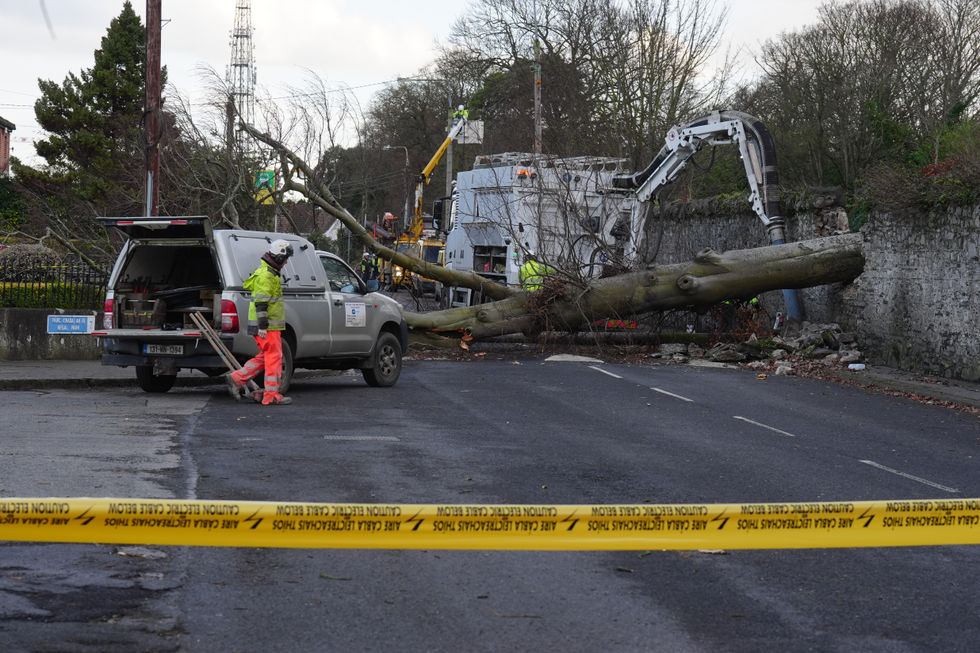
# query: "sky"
[[363, 44]]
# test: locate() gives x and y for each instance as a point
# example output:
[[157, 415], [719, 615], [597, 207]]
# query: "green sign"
[[265, 179], [265, 184]]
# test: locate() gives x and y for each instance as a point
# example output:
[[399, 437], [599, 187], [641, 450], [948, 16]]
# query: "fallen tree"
[[566, 305], [708, 279]]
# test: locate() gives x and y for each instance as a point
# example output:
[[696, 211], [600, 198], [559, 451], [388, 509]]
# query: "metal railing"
[[59, 285]]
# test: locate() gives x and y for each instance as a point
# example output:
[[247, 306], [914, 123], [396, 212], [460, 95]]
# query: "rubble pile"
[[824, 345]]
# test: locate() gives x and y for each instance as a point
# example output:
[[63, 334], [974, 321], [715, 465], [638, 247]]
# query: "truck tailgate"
[[148, 333]]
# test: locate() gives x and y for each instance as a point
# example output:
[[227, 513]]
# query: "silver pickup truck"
[[170, 267]]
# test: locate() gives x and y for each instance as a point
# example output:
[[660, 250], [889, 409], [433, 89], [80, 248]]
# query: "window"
[[340, 277]]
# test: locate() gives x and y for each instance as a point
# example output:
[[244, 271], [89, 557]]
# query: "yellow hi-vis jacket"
[[532, 274], [266, 310]]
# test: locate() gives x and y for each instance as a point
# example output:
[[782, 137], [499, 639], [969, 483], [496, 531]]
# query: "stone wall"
[[917, 304], [915, 307], [24, 336]]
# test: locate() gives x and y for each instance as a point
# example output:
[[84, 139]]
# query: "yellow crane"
[[412, 241]]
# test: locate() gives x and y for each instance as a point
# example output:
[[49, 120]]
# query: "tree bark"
[[708, 279]]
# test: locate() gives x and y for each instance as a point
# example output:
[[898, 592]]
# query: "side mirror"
[[372, 285]]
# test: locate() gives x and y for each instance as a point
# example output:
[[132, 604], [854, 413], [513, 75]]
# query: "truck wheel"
[[386, 362], [150, 383]]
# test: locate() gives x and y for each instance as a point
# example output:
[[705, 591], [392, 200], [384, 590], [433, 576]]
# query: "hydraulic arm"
[[758, 156], [415, 231]]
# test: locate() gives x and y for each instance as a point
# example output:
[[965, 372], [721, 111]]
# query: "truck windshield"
[[430, 253]]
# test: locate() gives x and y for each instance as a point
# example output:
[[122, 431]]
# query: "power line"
[[7, 90], [346, 88]]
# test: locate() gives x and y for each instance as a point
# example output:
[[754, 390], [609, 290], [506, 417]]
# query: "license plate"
[[163, 349]]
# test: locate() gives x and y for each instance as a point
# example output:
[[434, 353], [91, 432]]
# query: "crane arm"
[[756, 150], [425, 176]]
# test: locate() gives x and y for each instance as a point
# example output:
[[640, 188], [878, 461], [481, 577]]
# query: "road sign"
[[71, 324]]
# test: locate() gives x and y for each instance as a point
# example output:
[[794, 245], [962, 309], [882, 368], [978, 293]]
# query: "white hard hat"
[[280, 247]]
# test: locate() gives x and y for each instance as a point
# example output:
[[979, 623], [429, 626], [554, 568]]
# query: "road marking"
[[671, 394], [599, 369], [362, 438], [765, 426], [944, 488]]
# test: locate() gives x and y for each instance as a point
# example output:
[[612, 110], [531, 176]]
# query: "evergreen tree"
[[95, 148]]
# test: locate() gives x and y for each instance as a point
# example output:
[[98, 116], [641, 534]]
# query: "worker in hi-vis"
[[532, 273], [266, 322]]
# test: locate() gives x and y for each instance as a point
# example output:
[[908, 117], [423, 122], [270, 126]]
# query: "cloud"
[[343, 42]]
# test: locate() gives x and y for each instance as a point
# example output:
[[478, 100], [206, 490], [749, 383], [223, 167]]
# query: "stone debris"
[[816, 346]]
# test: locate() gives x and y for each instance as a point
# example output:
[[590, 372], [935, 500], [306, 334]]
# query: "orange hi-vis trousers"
[[268, 360]]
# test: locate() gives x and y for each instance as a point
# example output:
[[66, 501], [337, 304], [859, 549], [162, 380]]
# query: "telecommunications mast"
[[241, 71]]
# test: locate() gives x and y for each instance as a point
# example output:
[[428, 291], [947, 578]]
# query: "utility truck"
[[587, 215], [171, 267]]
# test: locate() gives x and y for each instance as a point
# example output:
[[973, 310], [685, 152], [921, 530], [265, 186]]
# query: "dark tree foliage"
[[12, 207], [875, 93], [94, 150]]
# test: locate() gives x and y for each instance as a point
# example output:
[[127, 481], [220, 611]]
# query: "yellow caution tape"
[[471, 526]]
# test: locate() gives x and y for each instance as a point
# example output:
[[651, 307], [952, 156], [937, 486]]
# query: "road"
[[494, 431]]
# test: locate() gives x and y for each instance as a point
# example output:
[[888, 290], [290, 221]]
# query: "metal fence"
[[58, 285]]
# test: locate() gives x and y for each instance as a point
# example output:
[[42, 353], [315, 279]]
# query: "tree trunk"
[[710, 278]]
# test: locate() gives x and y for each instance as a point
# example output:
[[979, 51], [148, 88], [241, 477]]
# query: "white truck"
[[513, 203], [170, 267], [576, 213]]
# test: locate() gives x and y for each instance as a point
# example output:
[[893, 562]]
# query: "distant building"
[[5, 128]]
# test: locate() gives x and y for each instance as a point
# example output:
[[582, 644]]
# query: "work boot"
[[235, 389], [277, 400]]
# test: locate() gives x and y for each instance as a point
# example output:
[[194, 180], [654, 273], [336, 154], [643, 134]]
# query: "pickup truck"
[[170, 267]]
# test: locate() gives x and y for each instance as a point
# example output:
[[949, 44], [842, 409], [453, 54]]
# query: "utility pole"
[[449, 150], [151, 107], [537, 100]]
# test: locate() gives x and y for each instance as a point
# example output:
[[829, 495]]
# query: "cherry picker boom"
[[414, 240]]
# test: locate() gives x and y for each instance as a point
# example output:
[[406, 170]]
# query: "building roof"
[[307, 217], [6, 124]]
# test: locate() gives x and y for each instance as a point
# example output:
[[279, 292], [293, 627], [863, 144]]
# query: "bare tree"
[[616, 73], [870, 81]]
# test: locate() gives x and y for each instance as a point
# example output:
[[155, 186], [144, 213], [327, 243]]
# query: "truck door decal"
[[355, 314]]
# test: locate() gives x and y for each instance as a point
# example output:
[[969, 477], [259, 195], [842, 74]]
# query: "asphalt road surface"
[[494, 431]]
